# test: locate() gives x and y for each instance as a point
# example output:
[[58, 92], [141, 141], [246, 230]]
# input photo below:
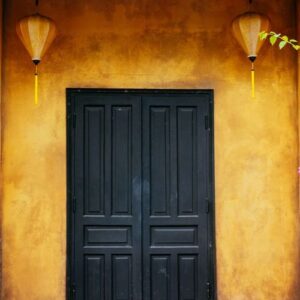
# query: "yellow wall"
[[156, 44], [1, 37]]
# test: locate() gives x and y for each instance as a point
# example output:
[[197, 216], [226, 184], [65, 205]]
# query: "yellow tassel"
[[253, 81], [36, 86]]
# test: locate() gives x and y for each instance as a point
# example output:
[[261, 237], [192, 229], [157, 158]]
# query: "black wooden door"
[[140, 190]]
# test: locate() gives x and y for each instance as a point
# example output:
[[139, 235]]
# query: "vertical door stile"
[[107, 194], [145, 198], [173, 276]]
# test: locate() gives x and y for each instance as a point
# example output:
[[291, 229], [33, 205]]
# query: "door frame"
[[70, 122]]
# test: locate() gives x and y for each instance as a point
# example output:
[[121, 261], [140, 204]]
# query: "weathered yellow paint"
[[1, 46], [156, 44]]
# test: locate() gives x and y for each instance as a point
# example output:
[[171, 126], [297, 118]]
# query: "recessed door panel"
[[188, 277], [122, 277], [187, 161], [94, 159], [94, 277], [121, 121], [160, 161], [161, 277]]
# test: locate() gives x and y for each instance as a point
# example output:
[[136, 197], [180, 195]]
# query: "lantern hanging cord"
[[37, 2], [36, 85], [252, 80], [250, 4]]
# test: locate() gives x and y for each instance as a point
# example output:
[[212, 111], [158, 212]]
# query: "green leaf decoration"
[[284, 39], [273, 39], [296, 47], [282, 44]]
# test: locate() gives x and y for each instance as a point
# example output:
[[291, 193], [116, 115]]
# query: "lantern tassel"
[[253, 80], [36, 86]]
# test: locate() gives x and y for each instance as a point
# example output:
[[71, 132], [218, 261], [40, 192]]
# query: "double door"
[[140, 216]]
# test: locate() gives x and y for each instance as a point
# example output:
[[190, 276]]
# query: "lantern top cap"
[[252, 14], [36, 15]]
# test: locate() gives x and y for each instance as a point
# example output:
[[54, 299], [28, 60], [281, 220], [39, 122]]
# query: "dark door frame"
[[71, 120]]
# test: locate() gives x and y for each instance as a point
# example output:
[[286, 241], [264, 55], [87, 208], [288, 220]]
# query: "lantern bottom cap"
[[36, 61], [252, 58]]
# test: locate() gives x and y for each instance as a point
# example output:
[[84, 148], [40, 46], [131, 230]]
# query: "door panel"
[[121, 160], [122, 277], [94, 276], [107, 231], [160, 157], [188, 277], [175, 195], [94, 128], [186, 157], [160, 274], [140, 180]]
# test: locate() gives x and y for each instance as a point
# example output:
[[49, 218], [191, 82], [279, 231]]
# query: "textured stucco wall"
[[156, 44], [1, 45]]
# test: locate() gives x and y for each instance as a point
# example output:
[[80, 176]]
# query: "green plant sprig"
[[284, 40]]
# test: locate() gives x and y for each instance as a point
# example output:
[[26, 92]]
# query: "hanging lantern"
[[37, 33], [246, 29]]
